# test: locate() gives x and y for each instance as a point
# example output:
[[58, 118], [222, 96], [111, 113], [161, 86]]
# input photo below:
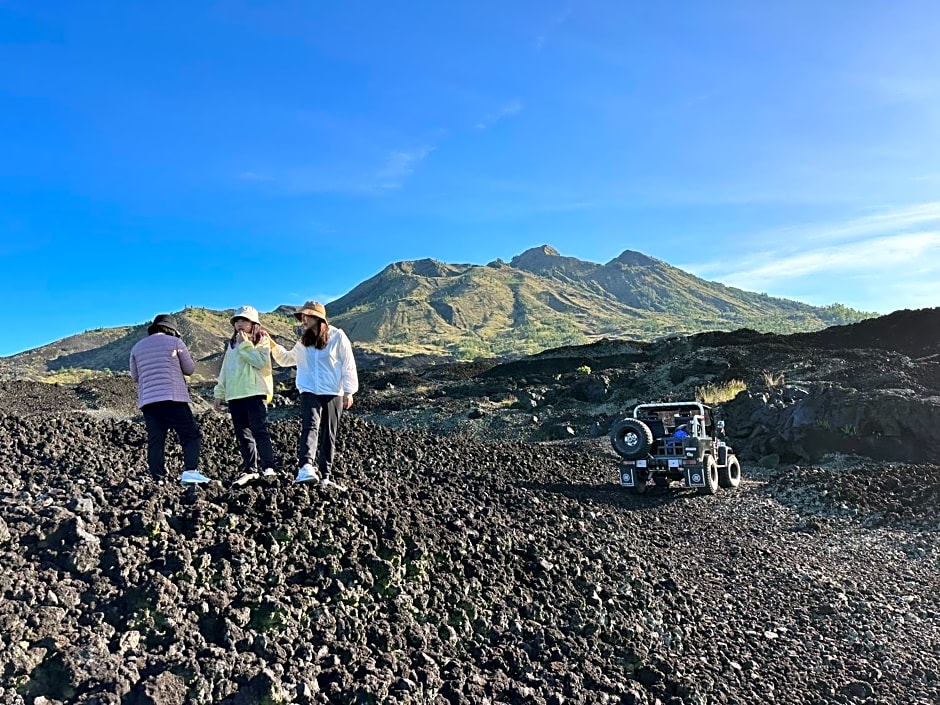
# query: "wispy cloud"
[[352, 176], [254, 176], [553, 24], [889, 252], [318, 226], [514, 107], [892, 258], [875, 224], [399, 165], [903, 89]]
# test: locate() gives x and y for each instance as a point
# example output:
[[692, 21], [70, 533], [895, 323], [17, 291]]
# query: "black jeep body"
[[654, 448]]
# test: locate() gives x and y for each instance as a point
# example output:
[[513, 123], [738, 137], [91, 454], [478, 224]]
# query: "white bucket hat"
[[249, 312]]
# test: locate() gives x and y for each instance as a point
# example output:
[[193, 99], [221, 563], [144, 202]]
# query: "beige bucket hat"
[[249, 312], [311, 308]]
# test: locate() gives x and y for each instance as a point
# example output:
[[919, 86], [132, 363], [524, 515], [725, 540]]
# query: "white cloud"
[[352, 176], [882, 261], [553, 23], [254, 176], [903, 89], [399, 165], [511, 108], [890, 252], [876, 223]]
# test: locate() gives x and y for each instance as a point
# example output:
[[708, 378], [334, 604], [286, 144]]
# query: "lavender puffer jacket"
[[158, 363]]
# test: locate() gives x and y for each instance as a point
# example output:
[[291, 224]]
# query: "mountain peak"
[[427, 267], [535, 257], [631, 258], [545, 261]]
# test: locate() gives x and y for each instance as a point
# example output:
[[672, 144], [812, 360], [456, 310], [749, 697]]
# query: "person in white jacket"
[[327, 380]]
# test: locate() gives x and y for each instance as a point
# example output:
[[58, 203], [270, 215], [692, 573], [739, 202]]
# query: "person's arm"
[[218, 393], [187, 365], [349, 379], [135, 374], [283, 356], [258, 356]]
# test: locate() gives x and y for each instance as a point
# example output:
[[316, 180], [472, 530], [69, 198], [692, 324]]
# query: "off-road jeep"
[[674, 441]]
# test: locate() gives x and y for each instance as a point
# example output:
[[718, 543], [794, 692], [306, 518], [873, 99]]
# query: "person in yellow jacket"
[[246, 383]]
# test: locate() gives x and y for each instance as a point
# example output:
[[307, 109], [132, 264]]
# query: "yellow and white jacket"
[[246, 371]]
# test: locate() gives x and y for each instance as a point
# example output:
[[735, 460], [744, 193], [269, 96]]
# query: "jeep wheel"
[[730, 475], [631, 438], [711, 476], [641, 484]]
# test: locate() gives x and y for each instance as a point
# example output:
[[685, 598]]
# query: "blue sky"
[[159, 155]]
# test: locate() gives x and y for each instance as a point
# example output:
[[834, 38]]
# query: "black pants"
[[317, 440], [250, 418], [160, 417]]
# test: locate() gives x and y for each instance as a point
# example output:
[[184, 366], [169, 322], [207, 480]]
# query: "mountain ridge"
[[540, 299]]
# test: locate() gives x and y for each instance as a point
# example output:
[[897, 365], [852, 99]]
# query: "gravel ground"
[[453, 571]]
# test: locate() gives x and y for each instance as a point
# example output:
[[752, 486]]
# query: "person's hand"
[[217, 404], [240, 336], [347, 401]]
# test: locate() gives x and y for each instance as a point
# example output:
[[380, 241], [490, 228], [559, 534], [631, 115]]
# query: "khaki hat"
[[311, 308], [249, 312]]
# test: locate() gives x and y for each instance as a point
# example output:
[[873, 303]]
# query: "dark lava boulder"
[[805, 424]]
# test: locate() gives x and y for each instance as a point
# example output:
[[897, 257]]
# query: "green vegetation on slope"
[[539, 300]]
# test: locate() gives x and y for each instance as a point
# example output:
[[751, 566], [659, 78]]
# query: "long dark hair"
[[316, 335], [254, 335]]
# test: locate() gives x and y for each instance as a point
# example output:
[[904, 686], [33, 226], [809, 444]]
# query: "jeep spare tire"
[[631, 438]]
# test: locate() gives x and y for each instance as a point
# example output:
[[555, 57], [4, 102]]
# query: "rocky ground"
[[468, 562]]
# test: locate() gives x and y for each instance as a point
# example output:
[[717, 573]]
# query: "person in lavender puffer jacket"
[[158, 365]]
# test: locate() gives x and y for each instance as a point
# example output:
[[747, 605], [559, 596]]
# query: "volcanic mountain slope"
[[539, 300], [204, 330], [542, 299], [451, 571]]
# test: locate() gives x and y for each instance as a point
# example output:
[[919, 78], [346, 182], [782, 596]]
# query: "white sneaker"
[[328, 482], [307, 473], [269, 472], [246, 477], [193, 477]]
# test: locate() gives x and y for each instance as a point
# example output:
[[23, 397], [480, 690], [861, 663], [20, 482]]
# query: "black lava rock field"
[[451, 570]]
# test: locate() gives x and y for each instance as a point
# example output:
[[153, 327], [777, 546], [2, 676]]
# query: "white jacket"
[[328, 371]]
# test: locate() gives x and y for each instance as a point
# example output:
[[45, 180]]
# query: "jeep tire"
[[631, 438], [710, 471], [729, 476]]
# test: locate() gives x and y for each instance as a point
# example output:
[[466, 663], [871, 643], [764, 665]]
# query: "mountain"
[[540, 299], [70, 359]]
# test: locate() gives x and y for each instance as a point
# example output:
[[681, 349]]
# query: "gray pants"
[[317, 444]]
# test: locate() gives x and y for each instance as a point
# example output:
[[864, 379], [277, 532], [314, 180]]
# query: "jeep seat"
[[656, 425]]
